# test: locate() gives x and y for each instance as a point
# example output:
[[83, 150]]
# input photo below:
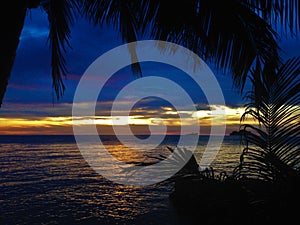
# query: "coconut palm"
[[60, 16], [232, 34], [272, 149]]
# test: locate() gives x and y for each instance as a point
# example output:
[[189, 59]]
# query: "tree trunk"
[[12, 20]]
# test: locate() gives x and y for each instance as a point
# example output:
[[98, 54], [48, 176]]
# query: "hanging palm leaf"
[[232, 34], [284, 14], [61, 16], [122, 15], [226, 33], [272, 149]]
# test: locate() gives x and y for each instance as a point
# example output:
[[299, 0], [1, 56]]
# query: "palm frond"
[[272, 150], [281, 13], [226, 33], [61, 16], [122, 15]]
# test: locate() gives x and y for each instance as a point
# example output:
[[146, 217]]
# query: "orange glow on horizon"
[[63, 124]]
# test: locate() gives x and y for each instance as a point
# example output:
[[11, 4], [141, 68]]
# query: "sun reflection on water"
[[46, 180]]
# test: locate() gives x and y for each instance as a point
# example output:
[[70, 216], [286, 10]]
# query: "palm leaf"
[[226, 33], [272, 150], [61, 15], [284, 14], [232, 34], [122, 15]]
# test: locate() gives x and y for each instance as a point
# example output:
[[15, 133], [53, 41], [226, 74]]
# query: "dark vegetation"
[[264, 187], [232, 34], [237, 36]]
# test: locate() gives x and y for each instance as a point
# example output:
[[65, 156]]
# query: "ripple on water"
[[49, 182]]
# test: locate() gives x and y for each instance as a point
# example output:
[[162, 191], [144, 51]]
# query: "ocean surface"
[[45, 180]]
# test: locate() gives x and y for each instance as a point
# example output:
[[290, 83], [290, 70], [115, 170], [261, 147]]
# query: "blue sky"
[[30, 91], [31, 81]]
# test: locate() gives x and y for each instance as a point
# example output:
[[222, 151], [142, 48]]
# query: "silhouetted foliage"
[[233, 34], [272, 149], [226, 33], [61, 15]]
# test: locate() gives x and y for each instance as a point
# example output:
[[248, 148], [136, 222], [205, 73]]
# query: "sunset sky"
[[28, 104]]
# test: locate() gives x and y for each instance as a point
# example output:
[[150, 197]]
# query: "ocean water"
[[45, 180]]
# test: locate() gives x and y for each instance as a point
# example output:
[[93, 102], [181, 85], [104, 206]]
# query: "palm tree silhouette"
[[272, 151], [60, 16], [232, 34]]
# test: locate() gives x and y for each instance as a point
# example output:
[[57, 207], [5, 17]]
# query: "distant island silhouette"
[[239, 133]]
